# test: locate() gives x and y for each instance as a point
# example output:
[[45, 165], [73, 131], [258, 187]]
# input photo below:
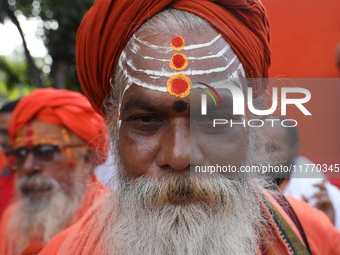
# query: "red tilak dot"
[[179, 86], [71, 163], [177, 42], [178, 60], [29, 133], [29, 144]]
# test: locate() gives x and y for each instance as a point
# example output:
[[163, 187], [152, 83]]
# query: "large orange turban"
[[61, 107], [109, 24]]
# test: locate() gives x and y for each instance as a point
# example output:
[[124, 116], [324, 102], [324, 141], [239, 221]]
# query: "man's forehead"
[[158, 62], [194, 44], [142, 98], [39, 132]]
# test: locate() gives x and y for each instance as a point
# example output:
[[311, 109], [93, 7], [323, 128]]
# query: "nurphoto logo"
[[239, 106]]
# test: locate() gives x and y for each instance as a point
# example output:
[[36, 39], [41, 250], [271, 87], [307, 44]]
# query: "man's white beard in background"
[[225, 219], [41, 218]]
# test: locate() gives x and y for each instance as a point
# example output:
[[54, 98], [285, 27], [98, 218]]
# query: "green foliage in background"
[[14, 82], [59, 21]]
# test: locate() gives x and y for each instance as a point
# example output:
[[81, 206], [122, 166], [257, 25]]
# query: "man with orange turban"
[[148, 67], [7, 173], [56, 135]]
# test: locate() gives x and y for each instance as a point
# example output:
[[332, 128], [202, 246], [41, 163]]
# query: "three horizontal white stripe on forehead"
[[155, 74], [134, 48]]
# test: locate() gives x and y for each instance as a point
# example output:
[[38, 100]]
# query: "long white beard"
[[39, 219], [224, 219]]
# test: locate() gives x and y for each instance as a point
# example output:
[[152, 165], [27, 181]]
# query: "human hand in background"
[[322, 201]]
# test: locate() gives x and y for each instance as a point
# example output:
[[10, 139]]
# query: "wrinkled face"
[[155, 108], [47, 152], [4, 139]]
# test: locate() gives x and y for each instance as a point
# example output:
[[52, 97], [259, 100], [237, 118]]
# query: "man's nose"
[[30, 165], [174, 153]]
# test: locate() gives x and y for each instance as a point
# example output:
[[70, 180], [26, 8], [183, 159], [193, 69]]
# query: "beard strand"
[[40, 218], [139, 217]]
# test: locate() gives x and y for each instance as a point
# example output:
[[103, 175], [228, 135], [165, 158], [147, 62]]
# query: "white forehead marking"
[[164, 73], [197, 46], [135, 53], [218, 54], [239, 72], [229, 80], [168, 49]]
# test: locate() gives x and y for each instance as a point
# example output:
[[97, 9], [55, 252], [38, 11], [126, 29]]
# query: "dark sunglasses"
[[43, 154], [3, 132]]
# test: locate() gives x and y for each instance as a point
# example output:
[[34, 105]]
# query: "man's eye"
[[146, 123], [145, 119], [46, 148], [21, 152]]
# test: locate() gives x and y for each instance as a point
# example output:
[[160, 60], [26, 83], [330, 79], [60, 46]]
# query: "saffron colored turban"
[[108, 25], [61, 107]]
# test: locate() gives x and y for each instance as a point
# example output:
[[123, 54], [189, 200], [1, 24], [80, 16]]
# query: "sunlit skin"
[[66, 161], [154, 136]]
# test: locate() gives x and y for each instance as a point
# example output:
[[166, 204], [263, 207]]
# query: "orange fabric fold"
[[61, 107], [108, 25], [323, 237], [279, 247], [94, 189]]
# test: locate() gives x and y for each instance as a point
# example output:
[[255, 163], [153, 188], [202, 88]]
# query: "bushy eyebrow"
[[139, 104]]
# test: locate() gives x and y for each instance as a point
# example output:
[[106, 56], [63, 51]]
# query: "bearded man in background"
[[55, 135], [7, 173]]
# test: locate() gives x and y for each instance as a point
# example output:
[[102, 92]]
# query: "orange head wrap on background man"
[[61, 107], [109, 24]]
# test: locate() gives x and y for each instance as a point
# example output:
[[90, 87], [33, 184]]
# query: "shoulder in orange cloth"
[[56, 135], [323, 237]]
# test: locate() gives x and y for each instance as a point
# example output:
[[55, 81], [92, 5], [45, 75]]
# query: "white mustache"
[[215, 192], [31, 184]]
